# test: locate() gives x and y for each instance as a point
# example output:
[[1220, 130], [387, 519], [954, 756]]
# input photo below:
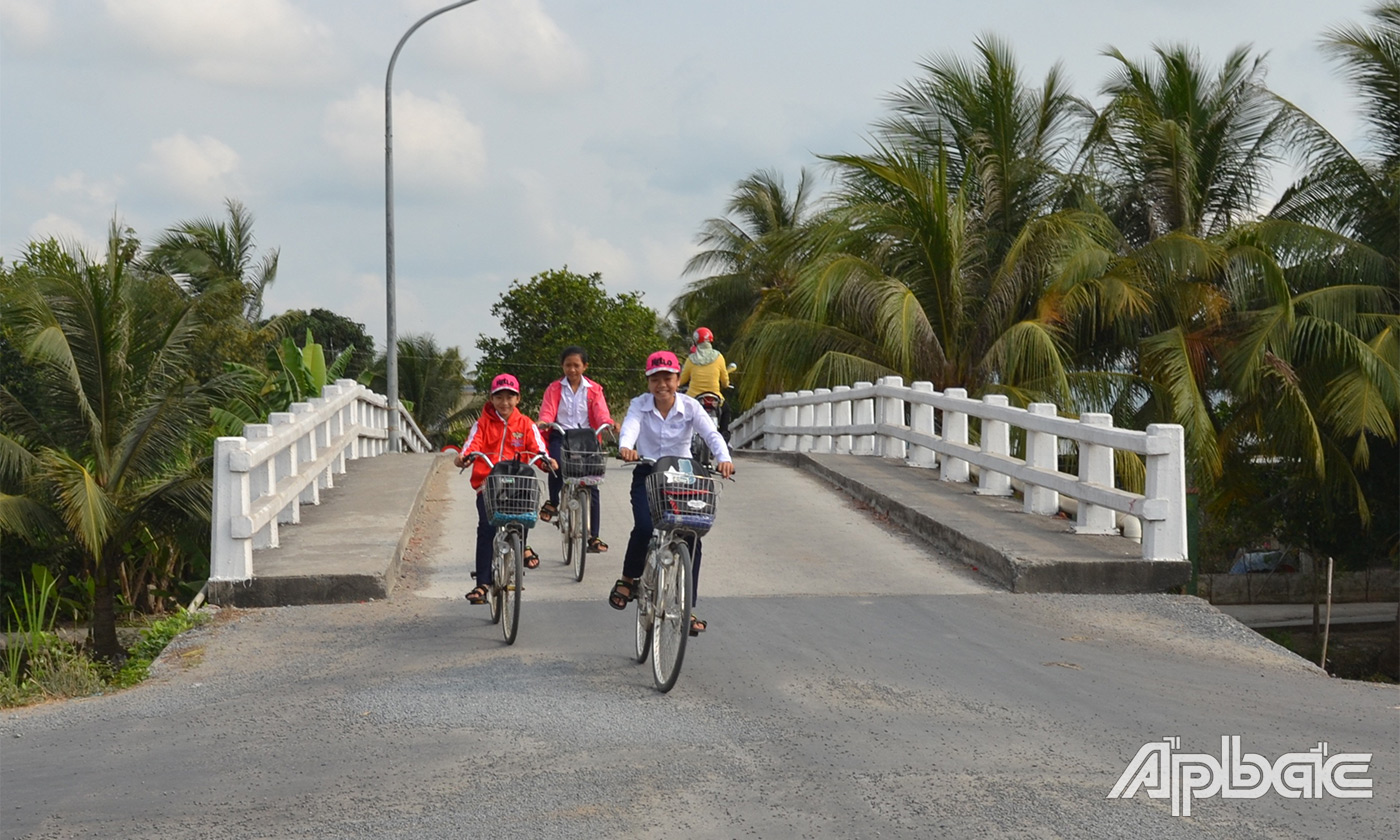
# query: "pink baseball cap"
[[662, 360], [505, 382]]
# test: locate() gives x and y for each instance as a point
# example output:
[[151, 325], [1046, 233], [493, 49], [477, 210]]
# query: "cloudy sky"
[[528, 134]]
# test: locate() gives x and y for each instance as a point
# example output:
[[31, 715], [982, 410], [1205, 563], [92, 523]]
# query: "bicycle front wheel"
[[564, 520], [511, 585], [674, 595], [579, 536], [495, 595], [643, 598]]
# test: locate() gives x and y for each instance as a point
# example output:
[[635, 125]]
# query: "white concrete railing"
[[261, 480], [869, 419]]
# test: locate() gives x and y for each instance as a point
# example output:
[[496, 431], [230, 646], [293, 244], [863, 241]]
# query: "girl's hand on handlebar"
[[627, 454], [725, 468]]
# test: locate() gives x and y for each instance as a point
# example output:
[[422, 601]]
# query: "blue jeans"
[[635, 560], [556, 484]]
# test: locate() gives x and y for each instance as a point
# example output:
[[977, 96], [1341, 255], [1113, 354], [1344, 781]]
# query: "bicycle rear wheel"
[[674, 595], [579, 535], [511, 586]]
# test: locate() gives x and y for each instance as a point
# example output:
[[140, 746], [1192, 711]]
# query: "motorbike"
[[713, 404]]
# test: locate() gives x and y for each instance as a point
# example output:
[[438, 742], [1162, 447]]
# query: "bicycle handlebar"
[[533, 460], [711, 470], [598, 432]]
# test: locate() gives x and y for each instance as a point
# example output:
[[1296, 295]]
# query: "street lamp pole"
[[391, 303]]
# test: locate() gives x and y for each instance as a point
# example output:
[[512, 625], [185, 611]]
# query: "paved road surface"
[[851, 686]]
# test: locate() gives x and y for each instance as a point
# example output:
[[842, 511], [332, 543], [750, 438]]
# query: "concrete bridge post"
[[1043, 452], [806, 415], [230, 558], [1165, 539], [821, 418], [841, 414], [996, 440], [954, 431], [890, 416], [305, 454], [261, 481], [921, 423], [1095, 467], [286, 467], [772, 419], [789, 420], [863, 415], [321, 435]]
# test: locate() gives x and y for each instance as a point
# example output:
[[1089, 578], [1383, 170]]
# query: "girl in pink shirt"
[[574, 402]]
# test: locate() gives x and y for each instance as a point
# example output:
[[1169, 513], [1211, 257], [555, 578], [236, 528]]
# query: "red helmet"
[[703, 334]]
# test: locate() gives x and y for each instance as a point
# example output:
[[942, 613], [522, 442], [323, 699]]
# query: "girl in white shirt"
[[660, 423]]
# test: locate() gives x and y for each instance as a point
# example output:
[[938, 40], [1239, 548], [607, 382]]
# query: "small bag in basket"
[[512, 494], [582, 456]]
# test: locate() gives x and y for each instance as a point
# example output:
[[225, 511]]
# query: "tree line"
[[1006, 235]]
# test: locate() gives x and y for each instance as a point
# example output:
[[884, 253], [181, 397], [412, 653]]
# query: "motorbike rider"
[[705, 371]]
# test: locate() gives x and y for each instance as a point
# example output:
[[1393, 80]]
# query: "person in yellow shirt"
[[705, 372]]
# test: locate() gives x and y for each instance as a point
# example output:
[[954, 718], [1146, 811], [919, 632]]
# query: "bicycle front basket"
[[512, 495], [681, 500], [582, 457]]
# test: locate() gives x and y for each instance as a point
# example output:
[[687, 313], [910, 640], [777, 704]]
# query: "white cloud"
[[91, 193], [26, 23], [201, 169], [515, 42], [64, 229], [588, 254], [249, 42], [436, 148]]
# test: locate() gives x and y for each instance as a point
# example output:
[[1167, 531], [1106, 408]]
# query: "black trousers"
[[635, 560]]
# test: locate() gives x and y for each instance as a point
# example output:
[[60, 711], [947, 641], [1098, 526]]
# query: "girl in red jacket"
[[574, 402], [500, 433]]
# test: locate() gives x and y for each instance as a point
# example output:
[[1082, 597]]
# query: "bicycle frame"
[[574, 507]]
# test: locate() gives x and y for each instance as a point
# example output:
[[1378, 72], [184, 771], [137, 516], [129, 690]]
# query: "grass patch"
[[39, 665]]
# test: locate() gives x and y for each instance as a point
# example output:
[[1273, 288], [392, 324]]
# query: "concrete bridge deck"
[[348, 547]]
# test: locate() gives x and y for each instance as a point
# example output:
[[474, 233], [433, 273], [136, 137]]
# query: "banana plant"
[[294, 374]]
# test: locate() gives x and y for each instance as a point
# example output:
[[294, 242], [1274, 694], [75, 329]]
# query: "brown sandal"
[[479, 594]]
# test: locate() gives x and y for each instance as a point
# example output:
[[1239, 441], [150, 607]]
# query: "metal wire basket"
[[681, 500], [511, 498], [583, 463]]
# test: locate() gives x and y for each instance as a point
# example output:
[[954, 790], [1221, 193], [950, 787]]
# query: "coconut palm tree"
[[431, 385], [1182, 148], [749, 255], [1313, 357], [1007, 143], [217, 264], [934, 257], [111, 452]]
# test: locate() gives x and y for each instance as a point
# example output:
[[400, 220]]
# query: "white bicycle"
[[512, 500], [582, 468], [681, 495]]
